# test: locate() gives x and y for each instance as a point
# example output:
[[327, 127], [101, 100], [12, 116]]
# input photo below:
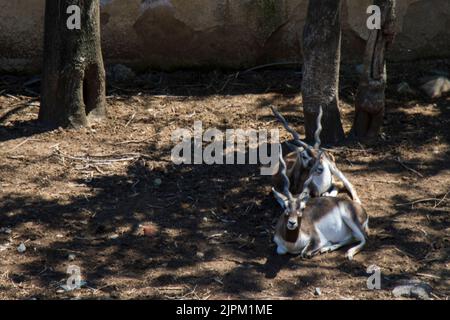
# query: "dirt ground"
[[79, 197]]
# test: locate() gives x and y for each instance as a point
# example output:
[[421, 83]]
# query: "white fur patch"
[[292, 248]]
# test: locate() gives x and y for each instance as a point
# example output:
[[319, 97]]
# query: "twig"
[[131, 119], [428, 275], [101, 160], [287, 63], [403, 252], [440, 201], [131, 141], [422, 200], [17, 108], [21, 144], [385, 181], [408, 168]]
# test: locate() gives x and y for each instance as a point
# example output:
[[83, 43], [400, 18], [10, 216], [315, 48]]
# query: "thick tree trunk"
[[370, 98], [321, 54], [73, 84]]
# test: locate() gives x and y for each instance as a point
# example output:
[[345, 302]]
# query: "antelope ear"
[[281, 198]]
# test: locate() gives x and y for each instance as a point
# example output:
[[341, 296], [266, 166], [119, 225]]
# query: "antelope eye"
[[319, 170]]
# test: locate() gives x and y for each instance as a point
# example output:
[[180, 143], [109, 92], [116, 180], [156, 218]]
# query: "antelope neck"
[[292, 235]]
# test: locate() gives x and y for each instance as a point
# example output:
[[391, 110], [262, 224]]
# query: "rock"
[[434, 88], [157, 182], [120, 73], [404, 88], [71, 257], [149, 230], [114, 236], [317, 292], [21, 248], [413, 289], [200, 255]]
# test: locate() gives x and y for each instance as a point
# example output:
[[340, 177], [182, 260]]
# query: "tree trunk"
[[73, 82], [321, 56], [370, 98]]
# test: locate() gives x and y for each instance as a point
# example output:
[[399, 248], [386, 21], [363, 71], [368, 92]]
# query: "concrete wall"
[[224, 33]]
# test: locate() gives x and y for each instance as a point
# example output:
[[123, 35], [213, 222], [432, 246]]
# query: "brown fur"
[[295, 172]]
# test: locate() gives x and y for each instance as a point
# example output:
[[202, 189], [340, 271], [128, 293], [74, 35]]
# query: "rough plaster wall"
[[225, 33]]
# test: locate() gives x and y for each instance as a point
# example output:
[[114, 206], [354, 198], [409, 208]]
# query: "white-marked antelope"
[[322, 224], [311, 170]]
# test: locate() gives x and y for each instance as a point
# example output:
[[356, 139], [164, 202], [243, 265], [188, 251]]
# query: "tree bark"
[[73, 81], [370, 97], [321, 55]]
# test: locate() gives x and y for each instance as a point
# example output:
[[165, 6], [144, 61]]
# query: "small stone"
[[200, 255], [157, 182], [149, 230], [21, 248], [114, 236], [205, 219], [413, 289], [317, 292], [71, 257]]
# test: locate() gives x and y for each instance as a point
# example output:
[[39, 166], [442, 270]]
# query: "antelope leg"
[[347, 184], [358, 233]]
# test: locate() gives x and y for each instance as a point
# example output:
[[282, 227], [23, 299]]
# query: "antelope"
[[320, 225], [313, 171], [298, 166]]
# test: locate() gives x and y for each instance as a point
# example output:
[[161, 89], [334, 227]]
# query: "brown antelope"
[[312, 171], [320, 225]]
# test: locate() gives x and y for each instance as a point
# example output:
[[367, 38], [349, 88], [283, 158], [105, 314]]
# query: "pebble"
[[71, 257], [413, 289], [157, 182], [21, 248], [317, 292]]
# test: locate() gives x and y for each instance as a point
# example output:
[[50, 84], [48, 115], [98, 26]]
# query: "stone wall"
[[169, 34]]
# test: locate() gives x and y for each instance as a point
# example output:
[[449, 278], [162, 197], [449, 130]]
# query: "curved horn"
[[289, 129], [318, 129], [286, 183], [304, 195]]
